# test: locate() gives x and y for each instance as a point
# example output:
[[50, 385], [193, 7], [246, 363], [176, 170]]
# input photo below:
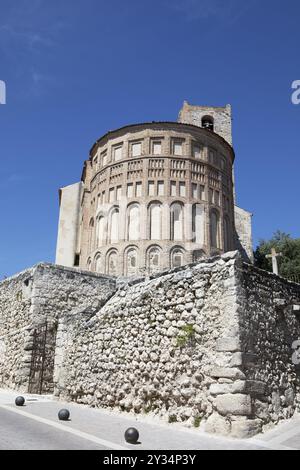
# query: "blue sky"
[[75, 69]]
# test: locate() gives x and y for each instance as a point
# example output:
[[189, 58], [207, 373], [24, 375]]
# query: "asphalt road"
[[21, 433], [35, 426]]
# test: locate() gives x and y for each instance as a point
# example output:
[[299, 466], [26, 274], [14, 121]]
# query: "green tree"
[[289, 263]]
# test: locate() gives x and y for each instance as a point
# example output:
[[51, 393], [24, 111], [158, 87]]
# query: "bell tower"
[[216, 119]]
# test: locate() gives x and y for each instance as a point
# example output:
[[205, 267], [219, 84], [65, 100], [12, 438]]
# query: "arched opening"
[[154, 259], [227, 243], [131, 262], [114, 226], [89, 264], [214, 230], [98, 263], [112, 263], [100, 231], [208, 122], [155, 221], [177, 221], [91, 236], [133, 222], [198, 223], [177, 258]]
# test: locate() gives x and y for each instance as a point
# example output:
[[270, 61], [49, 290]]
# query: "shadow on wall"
[[241, 249]]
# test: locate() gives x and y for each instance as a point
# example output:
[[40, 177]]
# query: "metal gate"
[[42, 360]]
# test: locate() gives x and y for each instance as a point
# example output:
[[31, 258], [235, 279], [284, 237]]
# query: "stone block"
[[227, 373], [228, 345], [289, 397], [261, 410], [256, 387], [234, 404], [217, 424], [236, 360], [242, 428], [221, 389]]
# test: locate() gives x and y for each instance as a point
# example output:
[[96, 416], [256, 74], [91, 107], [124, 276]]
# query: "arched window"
[[227, 244], [176, 221], [98, 263], [154, 259], [198, 223], [112, 263], [131, 262], [89, 264], [155, 221], [114, 226], [133, 221], [208, 122], [91, 236], [177, 258], [214, 230], [100, 231]]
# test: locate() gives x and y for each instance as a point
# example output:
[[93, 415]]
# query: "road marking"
[[269, 445], [284, 436], [83, 435]]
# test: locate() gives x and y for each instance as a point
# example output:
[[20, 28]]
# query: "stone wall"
[[243, 235], [40, 295], [268, 308], [209, 343], [15, 316], [151, 347], [190, 346]]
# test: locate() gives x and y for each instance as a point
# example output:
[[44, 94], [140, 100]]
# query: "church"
[[155, 196], [153, 305]]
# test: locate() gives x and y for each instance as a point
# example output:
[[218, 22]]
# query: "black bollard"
[[131, 435], [19, 401], [63, 415]]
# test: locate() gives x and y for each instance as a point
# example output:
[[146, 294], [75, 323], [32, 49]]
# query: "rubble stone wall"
[[44, 293], [211, 344]]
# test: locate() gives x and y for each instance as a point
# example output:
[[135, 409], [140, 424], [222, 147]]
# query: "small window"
[[197, 151], [210, 195], [136, 149], [119, 193], [104, 158], [95, 162], [195, 191], [111, 194], [223, 163], [208, 123], [138, 190], [217, 198], [130, 190], [173, 188], [161, 188], [156, 148], [177, 148], [151, 188], [202, 192], [211, 156], [182, 190], [118, 153]]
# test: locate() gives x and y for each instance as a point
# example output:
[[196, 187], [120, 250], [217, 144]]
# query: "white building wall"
[[68, 226]]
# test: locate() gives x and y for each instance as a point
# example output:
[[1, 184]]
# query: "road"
[[35, 426]]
